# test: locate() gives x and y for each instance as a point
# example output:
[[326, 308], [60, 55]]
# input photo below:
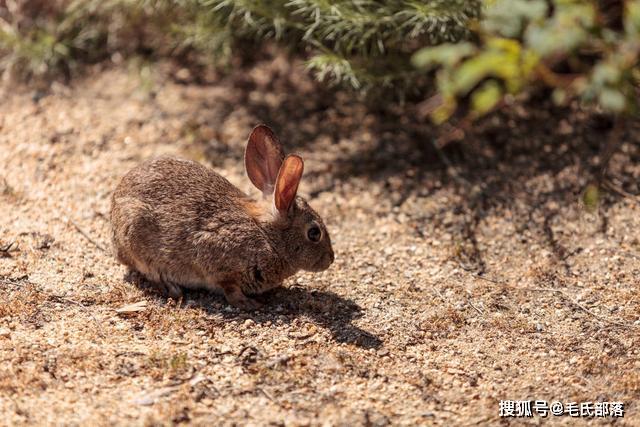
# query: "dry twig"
[[84, 233], [561, 292], [69, 300], [6, 249], [480, 312], [609, 185]]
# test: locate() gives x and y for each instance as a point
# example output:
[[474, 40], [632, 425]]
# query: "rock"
[[132, 308], [383, 352]]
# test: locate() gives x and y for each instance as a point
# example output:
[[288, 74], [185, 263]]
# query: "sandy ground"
[[462, 277]]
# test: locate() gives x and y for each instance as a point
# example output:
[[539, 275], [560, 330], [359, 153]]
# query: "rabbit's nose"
[[332, 257]]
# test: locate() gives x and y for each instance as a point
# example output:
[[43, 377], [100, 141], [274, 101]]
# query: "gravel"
[[456, 284]]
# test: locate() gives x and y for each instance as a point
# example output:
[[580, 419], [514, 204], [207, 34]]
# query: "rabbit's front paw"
[[170, 290], [245, 303], [238, 299]]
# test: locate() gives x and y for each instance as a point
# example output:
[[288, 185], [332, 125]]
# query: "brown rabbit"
[[181, 224]]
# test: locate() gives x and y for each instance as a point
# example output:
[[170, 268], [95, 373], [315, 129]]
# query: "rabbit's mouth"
[[323, 262]]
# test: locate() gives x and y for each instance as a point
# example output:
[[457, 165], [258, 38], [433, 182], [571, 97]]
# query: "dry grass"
[[447, 295]]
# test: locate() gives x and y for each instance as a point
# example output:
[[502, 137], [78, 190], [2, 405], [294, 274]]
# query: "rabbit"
[[182, 225]]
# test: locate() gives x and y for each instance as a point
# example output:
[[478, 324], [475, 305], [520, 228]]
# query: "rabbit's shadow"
[[286, 303], [325, 308]]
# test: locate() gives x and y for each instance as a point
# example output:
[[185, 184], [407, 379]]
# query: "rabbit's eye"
[[314, 234]]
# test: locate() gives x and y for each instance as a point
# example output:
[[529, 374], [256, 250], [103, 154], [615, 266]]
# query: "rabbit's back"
[[169, 181], [177, 221]]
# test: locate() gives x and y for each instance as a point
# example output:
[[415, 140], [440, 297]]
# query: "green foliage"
[[43, 38], [362, 43], [591, 198], [575, 48], [583, 49]]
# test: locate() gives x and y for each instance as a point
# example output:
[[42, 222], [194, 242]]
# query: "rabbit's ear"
[[287, 183], [262, 158]]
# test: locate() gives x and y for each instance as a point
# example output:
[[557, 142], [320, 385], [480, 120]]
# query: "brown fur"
[[256, 210], [182, 225]]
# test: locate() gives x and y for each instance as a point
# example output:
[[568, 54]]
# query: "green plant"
[[173, 362], [573, 47], [39, 38], [364, 44], [591, 198]]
